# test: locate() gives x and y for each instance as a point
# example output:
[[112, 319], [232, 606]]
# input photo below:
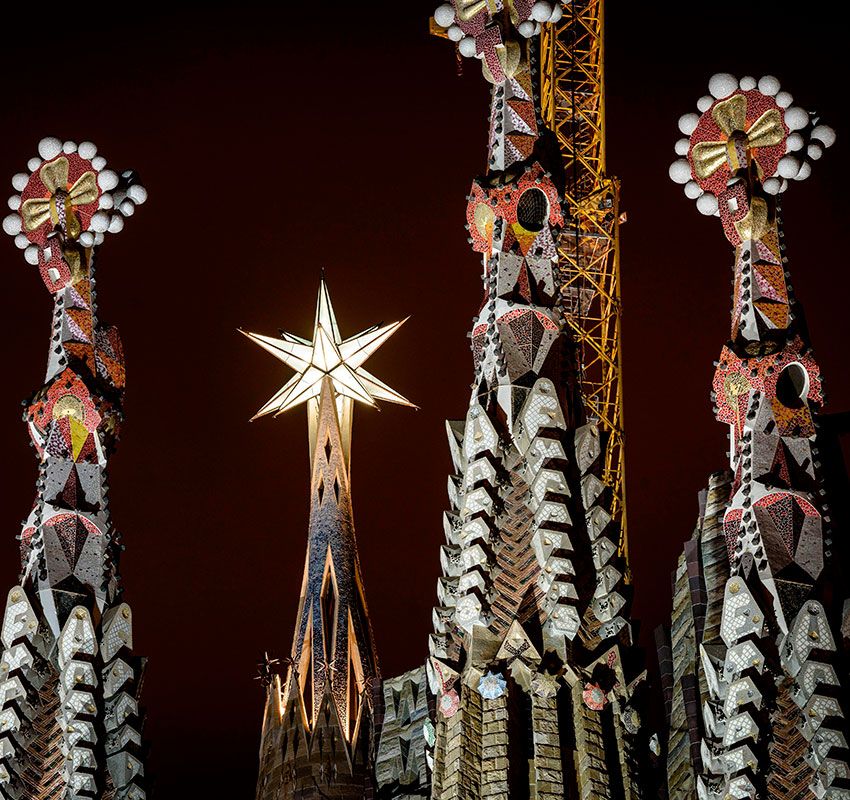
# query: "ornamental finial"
[[483, 29], [67, 192], [328, 355], [328, 366], [745, 124]]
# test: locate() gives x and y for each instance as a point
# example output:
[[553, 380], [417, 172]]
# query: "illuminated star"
[[328, 355]]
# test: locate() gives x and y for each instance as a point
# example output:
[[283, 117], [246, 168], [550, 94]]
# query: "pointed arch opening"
[[356, 680]]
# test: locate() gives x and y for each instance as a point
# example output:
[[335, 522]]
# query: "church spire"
[[327, 693], [531, 659], [70, 722], [763, 650]]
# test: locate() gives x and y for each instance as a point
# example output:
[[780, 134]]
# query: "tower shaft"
[[531, 658], [318, 729], [754, 672], [319, 726], [70, 723], [333, 650]]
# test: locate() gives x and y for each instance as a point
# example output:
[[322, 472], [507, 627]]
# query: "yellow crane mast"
[[573, 104]]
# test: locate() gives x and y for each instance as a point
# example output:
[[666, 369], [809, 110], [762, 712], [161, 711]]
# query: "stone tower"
[[319, 732], [531, 658], [70, 725], [755, 670]]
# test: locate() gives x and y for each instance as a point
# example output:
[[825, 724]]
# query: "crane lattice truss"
[[573, 100]]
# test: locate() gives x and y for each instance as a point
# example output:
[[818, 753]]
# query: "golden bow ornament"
[[54, 175], [467, 9], [731, 117]]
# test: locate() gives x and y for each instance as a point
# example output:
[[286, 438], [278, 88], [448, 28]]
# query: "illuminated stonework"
[[70, 725], [328, 356], [754, 673], [319, 730], [531, 659]]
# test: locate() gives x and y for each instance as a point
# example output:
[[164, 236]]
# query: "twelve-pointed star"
[[328, 355]]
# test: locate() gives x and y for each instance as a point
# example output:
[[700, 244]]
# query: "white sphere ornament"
[[127, 208], [747, 83], [87, 150], [793, 143], [116, 224], [444, 15], [106, 201], [69, 147], [467, 47], [692, 190], [99, 221], [707, 204], [12, 224], [682, 147], [541, 11], [33, 164], [21, 241], [772, 185], [805, 171], [788, 167], [137, 193], [688, 123], [86, 239], [814, 151], [98, 162], [107, 180], [20, 181], [705, 102], [526, 29], [31, 255], [784, 99], [824, 134], [454, 33], [722, 85], [49, 147], [557, 13], [796, 118], [14, 202], [768, 85], [680, 171]]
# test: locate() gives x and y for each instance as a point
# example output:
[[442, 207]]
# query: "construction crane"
[[573, 105]]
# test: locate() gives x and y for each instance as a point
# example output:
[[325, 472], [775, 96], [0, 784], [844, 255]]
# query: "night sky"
[[274, 143]]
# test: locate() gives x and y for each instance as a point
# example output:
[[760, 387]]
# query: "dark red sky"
[[274, 143]]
